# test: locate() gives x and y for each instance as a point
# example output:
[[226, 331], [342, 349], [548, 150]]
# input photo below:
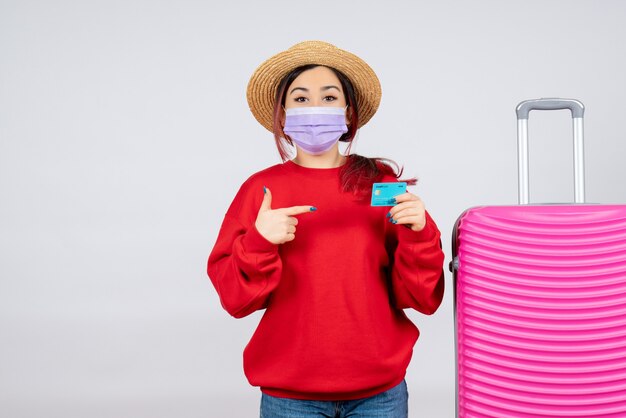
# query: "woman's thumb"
[[266, 204]]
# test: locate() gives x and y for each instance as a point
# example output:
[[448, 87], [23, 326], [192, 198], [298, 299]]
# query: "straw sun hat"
[[264, 82]]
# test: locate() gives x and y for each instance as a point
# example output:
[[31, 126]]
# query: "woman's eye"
[[330, 98], [299, 99]]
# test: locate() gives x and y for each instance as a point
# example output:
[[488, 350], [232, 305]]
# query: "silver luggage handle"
[[578, 111]]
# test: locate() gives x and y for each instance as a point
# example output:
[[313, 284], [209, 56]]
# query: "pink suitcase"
[[540, 300]]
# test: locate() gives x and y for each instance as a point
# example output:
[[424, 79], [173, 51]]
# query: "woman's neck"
[[330, 159]]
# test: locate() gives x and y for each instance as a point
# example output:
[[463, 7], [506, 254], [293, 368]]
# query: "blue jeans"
[[392, 403]]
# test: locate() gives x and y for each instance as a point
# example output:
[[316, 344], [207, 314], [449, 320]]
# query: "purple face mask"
[[315, 129]]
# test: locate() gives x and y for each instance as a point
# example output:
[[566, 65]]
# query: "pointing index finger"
[[298, 210]]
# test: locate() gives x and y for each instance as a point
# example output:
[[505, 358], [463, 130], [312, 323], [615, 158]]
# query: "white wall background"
[[125, 133]]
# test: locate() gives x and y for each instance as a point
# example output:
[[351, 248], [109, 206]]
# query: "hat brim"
[[261, 91]]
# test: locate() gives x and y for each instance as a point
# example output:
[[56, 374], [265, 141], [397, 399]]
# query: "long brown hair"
[[359, 172]]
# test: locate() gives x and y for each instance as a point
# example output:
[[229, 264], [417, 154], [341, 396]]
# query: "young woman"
[[302, 241]]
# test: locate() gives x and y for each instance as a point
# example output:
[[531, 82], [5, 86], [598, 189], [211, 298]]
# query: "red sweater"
[[333, 328]]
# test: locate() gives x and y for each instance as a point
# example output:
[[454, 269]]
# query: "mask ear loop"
[[288, 140]]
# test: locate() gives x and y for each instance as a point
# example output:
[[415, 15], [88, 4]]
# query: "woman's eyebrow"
[[324, 88], [298, 88]]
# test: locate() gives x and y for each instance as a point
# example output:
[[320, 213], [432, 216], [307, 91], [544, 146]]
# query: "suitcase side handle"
[[578, 111]]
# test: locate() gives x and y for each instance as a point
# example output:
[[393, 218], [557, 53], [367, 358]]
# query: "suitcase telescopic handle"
[[578, 111]]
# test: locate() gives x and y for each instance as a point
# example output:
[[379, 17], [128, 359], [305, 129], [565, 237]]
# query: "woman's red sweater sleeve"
[[416, 274], [243, 266]]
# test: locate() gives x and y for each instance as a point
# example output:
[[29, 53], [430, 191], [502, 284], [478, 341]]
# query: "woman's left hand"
[[409, 211]]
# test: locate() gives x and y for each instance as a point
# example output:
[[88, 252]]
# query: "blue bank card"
[[383, 193]]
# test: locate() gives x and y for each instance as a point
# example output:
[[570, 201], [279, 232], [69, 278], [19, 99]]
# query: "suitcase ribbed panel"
[[541, 311]]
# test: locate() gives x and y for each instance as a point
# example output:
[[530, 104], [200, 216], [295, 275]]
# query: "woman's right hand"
[[278, 225]]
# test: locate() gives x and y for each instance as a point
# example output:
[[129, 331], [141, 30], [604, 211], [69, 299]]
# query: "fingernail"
[[313, 208], [389, 214], [393, 200], [264, 189], [393, 221]]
